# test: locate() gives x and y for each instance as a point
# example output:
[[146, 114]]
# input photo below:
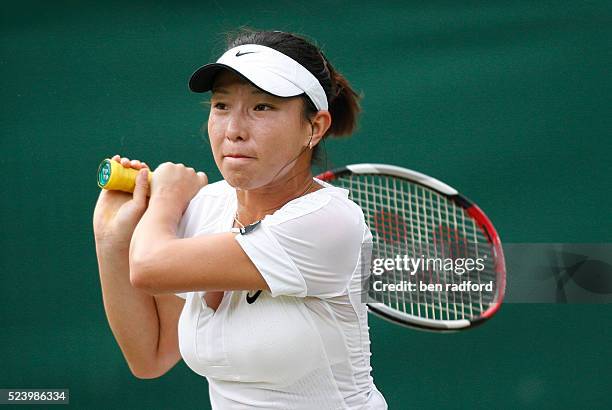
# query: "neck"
[[255, 204]]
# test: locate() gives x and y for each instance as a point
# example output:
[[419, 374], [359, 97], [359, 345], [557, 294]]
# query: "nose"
[[235, 129]]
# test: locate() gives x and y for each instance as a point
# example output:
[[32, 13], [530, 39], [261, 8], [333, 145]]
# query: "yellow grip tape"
[[114, 176]]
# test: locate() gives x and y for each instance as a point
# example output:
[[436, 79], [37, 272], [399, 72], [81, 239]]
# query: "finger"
[[144, 164], [125, 162], [203, 178], [142, 186], [135, 163], [116, 157]]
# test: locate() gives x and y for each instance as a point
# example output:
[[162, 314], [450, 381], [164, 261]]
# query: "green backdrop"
[[509, 102]]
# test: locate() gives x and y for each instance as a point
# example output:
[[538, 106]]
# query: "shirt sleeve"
[[307, 249]]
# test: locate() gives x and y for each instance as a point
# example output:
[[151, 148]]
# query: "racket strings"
[[409, 219], [430, 207]]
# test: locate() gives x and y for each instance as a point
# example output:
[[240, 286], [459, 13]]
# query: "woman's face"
[[256, 137]]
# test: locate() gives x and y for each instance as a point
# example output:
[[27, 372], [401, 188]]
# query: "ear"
[[320, 124]]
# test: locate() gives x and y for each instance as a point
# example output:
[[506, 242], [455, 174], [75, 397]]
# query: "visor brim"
[[203, 78]]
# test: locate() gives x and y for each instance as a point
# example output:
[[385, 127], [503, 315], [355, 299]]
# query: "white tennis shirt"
[[303, 345]]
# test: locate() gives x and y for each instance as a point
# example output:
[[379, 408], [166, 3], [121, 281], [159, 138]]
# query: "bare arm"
[[169, 309], [208, 262], [162, 263], [144, 326]]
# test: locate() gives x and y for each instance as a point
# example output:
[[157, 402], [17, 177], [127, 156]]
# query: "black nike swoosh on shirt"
[[238, 54], [250, 299]]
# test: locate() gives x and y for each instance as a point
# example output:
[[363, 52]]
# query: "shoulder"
[[311, 246], [327, 214], [331, 201]]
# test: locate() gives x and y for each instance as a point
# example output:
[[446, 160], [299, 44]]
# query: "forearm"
[[155, 231], [131, 313]]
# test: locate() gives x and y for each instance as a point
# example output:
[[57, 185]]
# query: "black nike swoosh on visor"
[[238, 54]]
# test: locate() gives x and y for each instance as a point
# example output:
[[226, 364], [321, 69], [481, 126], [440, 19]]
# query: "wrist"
[[166, 208], [108, 243]]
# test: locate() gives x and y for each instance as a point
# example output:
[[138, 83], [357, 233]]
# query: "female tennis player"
[[254, 280]]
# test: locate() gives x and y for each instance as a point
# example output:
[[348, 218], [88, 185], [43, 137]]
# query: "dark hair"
[[343, 101]]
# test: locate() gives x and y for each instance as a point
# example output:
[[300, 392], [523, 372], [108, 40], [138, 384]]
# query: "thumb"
[[142, 187], [202, 178]]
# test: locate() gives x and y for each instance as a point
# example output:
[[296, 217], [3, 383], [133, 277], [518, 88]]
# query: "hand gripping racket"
[[422, 219]]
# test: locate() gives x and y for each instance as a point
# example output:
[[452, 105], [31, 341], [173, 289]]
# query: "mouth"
[[237, 156]]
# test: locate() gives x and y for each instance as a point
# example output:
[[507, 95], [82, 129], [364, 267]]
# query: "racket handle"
[[115, 177]]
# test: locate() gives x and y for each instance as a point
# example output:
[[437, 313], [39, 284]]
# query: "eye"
[[219, 106], [263, 107]]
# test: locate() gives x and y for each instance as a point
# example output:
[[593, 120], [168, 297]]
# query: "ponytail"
[[343, 105]]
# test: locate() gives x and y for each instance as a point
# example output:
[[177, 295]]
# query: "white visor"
[[268, 69]]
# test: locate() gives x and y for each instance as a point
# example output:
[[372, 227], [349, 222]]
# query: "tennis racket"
[[422, 219]]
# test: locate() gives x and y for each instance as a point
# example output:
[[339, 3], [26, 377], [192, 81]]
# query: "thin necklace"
[[303, 192]]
